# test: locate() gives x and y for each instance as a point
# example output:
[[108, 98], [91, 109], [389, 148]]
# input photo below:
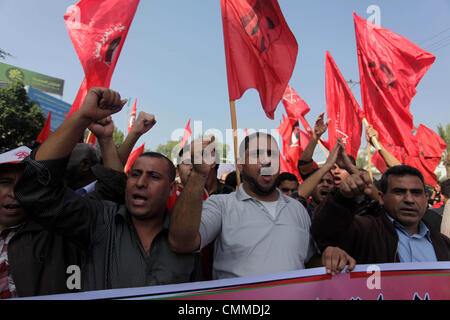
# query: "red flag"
[[132, 116], [98, 30], [396, 151], [132, 158], [187, 134], [45, 132], [390, 68], [431, 147], [431, 144], [260, 50], [342, 109], [295, 107]]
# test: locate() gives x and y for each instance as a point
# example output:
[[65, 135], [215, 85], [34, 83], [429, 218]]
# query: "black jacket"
[[368, 239]]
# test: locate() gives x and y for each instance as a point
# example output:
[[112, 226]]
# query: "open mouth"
[[324, 192], [12, 207], [139, 199]]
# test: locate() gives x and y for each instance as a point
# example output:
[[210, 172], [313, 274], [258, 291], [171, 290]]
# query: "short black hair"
[[285, 176], [400, 170], [172, 172], [445, 188]]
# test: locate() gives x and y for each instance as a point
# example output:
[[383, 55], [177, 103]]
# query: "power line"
[[432, 37], [437, 43]]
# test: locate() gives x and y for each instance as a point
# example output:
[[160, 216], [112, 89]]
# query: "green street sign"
[[9, 73]]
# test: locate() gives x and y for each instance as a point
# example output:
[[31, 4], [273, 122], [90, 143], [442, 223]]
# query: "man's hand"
[[320, 127], [343, 161], [103, 129], [356, 184], [101, 103], [203, 154], [143, 123], [335, 259], [332, 157]]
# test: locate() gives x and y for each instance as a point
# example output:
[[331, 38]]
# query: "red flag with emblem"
[[390, 68], [260, 50], [132, 158], [186, 135], [132, 116], [342, 109], [295, 107], [431, 147], [45, 132], [98, 30]]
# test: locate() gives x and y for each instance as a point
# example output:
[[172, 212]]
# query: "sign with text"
[[48, 103]]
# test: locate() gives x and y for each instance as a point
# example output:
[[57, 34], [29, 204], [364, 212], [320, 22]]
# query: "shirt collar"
[[423, 229], [124, 215], [241, 195]]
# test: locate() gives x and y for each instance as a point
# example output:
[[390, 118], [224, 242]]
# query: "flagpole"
[[374, 140], [234, 126], [88, 137], [369, 160]]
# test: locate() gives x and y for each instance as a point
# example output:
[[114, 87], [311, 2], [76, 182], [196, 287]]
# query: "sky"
[[173, 59]]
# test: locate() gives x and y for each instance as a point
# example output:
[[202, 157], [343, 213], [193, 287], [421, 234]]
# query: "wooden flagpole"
[[88, 137], [235, 142]]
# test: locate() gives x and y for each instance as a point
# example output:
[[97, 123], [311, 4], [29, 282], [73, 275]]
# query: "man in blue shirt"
[[394, 232]]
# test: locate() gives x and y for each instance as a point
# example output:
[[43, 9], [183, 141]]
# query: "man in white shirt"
[[256, 229]]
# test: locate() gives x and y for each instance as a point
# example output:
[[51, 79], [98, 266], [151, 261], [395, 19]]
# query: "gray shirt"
[[250, 241]]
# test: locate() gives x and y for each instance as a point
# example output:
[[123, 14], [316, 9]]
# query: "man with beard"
[[256, 229]]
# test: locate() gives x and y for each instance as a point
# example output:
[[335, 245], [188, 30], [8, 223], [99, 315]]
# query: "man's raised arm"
[[184, 225], [98, 104]]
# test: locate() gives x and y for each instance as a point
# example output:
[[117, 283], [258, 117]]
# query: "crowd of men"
[[63, 206]]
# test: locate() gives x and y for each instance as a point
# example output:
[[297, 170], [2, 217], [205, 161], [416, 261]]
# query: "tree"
[[166, 149], [4, 54], [21, 120], [445, 135], [118, 137]]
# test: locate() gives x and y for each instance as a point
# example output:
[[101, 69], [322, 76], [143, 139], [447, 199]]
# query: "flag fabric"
[[98, 30], [260, 50], [390, 68], [132, 116], [396, 151], [132, 158], [45, 132], [187, 134], [295, 107], [342, 109], [431, 147]]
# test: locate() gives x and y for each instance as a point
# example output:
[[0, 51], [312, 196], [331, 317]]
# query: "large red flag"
[[186, 135], [132, 158], [45, 132], [295, 107], [98, 30], [260, 50], [390, 68], [132, 116], [431, 147], [342, 109]]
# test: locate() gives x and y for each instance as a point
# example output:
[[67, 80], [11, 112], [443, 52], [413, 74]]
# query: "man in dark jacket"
[[33, 261], [396, 234]]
